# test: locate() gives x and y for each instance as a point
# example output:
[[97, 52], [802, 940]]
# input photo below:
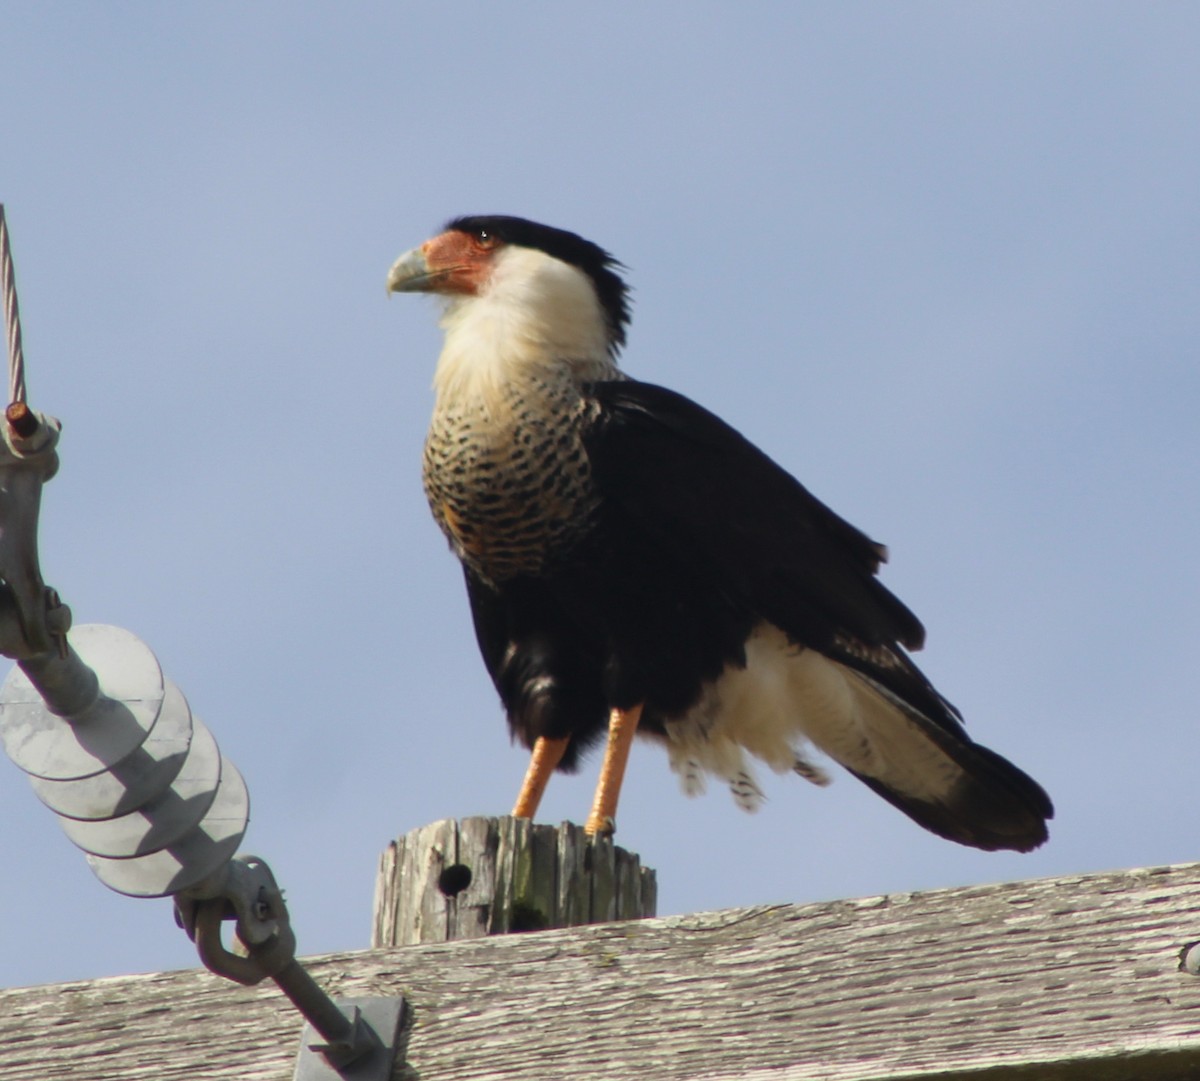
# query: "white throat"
[[536, 319]]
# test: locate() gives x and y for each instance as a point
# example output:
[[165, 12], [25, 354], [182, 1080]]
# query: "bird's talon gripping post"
[[604, 827]]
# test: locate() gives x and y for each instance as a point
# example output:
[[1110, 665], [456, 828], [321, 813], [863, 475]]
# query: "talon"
[[605, 826]]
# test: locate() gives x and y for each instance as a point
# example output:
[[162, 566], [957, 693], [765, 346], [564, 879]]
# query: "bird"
[[636, 567]]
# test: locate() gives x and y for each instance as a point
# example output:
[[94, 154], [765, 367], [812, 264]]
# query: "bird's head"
[[540, 277]]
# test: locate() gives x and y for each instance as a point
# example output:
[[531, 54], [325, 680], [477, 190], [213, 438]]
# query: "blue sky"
[[940, 260]]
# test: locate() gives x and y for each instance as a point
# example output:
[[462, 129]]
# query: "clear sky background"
[[941, 260]]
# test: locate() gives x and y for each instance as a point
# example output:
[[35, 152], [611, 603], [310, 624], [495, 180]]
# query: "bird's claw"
[[604, 826]]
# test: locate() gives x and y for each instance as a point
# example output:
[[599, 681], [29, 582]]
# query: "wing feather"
[[721, 504]]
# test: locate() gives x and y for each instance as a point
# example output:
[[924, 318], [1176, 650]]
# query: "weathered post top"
[[489, 876]]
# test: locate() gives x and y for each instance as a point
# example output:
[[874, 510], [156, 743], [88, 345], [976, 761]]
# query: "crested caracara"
[[635, 565]]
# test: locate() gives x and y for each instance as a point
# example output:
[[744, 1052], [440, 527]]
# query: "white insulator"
[[106, 731], [136, 779], [163, 820], [202, 852], [137, 782]]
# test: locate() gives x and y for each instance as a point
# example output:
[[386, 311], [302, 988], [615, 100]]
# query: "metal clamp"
[[35, 620]]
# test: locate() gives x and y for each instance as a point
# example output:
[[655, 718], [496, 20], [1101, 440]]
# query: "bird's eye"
[[484, 240]]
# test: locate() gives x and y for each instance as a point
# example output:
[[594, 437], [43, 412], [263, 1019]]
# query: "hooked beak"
[[411, 273]]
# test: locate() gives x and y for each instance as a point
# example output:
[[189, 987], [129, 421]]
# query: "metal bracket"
[[382, 1016]]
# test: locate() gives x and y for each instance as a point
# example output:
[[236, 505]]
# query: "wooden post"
[[491, 876]]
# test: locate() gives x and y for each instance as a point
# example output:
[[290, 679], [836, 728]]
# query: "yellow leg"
[[547, 753], [622, 726]]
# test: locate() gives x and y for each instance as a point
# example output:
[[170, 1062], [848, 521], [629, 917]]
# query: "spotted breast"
[[508, 480]]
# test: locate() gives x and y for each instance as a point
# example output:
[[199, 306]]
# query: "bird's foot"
[[600, 826], [622, 726]]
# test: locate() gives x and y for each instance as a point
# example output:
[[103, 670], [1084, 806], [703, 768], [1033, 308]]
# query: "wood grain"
[[1064, 979]]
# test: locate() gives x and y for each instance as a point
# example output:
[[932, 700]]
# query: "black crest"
[[571, 248]]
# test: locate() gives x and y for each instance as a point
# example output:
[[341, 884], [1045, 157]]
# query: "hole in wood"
[[454, 879]]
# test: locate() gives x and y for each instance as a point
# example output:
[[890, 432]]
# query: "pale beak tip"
[[410, 273]]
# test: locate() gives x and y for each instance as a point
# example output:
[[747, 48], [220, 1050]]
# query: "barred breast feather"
[[508, 480]]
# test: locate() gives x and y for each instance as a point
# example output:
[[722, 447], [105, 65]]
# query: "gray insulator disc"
[[164, 820], [204, 850], [143, 774], [57, 748]]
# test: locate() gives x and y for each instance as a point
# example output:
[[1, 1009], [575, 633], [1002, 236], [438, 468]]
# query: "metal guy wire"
[[12, 317]]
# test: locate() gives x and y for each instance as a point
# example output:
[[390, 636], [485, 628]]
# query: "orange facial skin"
[[458, 262]]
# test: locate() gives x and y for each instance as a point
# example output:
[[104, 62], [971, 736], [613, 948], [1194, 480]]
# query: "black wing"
[[707, 493]]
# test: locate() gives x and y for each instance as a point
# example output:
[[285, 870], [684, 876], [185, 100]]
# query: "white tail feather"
[[787, 699]]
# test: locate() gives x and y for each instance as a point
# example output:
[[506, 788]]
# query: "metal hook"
[[261, 961]]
